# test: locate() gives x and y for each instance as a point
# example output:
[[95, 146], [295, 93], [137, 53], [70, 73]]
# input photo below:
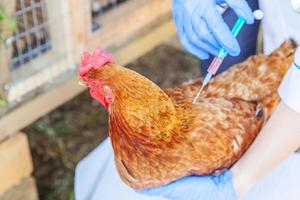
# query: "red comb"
[[93, 61]]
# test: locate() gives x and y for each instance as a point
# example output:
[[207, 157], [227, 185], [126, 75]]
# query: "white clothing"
[[289, 89], [96, 178], [281, 22]]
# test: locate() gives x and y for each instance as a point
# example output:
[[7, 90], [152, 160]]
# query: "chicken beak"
[[81, 82]]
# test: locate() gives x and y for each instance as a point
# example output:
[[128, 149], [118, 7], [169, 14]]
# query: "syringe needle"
[[204, 83], [198, 94]]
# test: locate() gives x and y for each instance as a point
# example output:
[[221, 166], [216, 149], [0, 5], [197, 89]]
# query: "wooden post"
[[15, 159], [57, 12], [80, 13], [25, 190], [8, 7]]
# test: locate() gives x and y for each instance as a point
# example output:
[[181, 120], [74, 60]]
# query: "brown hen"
[[159, 136]]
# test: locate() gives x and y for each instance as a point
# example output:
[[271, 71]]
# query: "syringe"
[[217, 61]]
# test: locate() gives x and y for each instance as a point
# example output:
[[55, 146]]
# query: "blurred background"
[[47, 121]]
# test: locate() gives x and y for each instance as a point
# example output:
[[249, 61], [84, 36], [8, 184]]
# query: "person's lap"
[[97, 178]]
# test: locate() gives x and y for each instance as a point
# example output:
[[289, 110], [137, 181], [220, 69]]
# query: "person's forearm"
[[278, 139]]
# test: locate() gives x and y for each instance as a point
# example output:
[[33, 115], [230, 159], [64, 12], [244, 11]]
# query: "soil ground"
[[63, 137]]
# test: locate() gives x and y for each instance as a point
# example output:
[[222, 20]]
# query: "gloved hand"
[[196, 187], [201, 28]]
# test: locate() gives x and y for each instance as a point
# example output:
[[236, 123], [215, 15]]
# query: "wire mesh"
[[99, 7], [31, 37]]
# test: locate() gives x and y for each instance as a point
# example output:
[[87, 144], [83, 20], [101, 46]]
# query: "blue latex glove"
[[201, 28], [196, 188]]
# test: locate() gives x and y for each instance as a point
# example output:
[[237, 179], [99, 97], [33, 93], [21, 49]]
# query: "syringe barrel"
[[238, 25], [216, 63]]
